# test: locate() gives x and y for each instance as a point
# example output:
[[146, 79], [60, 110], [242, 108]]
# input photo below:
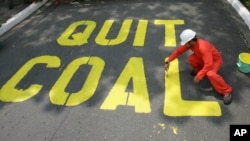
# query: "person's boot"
[[204, 85], [193, 73], [227, 99], [204, 88]]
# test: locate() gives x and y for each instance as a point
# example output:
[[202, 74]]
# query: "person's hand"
[[196, 80], [166, 66]]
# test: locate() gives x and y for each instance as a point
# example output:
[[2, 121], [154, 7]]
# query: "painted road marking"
[[174, 105], [72, 37], [139, 98], [134, 71]]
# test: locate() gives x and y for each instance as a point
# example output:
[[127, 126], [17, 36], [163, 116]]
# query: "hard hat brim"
[[183, 43]]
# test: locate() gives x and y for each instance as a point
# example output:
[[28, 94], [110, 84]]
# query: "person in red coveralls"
[[205, 60]]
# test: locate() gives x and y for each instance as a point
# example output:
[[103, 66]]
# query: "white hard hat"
[[187, 35]]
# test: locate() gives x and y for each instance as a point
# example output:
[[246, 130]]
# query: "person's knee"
[[211, 73]]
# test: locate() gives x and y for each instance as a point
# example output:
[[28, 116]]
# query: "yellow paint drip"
[[175, 130], [161, 124]]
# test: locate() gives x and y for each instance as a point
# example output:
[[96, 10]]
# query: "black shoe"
[[204, 86], [227, 99], [206, 89], [193, 73]]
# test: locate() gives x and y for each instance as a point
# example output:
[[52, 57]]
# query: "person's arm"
[[177, 52]]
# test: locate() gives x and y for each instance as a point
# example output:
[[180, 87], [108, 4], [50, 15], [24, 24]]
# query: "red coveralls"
[[206, 60]]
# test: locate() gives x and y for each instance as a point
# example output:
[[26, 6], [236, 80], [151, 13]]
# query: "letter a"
[[134, 70], [237, 133]]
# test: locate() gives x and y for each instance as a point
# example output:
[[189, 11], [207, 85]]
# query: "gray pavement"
[[7, 13], [20, 12], [66, 76]]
